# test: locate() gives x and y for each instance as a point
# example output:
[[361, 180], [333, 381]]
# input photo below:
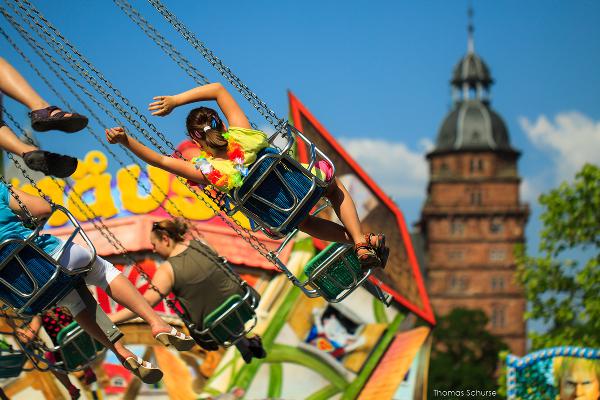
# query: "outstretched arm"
[[173, 165], [213, 91], [163, 280], [37, 206]]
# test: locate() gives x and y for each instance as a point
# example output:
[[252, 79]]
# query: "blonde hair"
[[562, 365]]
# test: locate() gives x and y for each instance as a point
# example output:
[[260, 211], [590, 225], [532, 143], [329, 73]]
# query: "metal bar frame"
[[239, 201], [29, 243], [249, 299], [308, 287], [71, 340]]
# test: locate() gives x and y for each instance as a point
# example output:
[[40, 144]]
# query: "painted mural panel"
[[558, 373]]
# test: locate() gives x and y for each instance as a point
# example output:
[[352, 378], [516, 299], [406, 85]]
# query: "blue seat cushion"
[[42, 270], [273, 190]]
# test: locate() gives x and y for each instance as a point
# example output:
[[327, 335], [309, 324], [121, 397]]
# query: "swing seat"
[[228, 322], [335, 272], [11, 363], [77, 348], [278, 192], [30, 281]]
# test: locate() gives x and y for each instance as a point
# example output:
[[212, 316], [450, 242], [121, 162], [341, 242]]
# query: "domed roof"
[[472, 125], [471, 69]]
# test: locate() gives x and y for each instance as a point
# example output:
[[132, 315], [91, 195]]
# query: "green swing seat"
[[76, 347], [335, 272], [11, 363], [228, 321]]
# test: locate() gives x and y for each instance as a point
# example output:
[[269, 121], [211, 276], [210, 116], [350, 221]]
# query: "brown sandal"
[[52, 117], [366, 255], [379, 246]]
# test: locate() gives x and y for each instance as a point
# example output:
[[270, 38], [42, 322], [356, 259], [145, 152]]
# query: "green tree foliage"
[[562, 292], [465, 356]]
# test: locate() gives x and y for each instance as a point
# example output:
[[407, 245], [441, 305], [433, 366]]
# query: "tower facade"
[[473, 217]]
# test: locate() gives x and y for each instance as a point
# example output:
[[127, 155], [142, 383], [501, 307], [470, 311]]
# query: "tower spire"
[[470, 30]]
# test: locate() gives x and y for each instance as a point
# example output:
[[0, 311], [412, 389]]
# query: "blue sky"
[[375, 71]]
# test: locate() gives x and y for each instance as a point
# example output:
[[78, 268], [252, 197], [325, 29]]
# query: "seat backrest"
[[275, 198], [11, 363], [238, 313], [342, 274], [30, 281], [77, 347]]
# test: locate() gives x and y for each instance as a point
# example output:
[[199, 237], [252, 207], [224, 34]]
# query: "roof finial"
[[470, 30]]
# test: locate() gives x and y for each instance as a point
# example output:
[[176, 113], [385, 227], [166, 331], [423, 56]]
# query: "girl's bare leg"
[[124, 293], [325, 229], [86, 319], [10, 142], [344, 208], [15, 86]]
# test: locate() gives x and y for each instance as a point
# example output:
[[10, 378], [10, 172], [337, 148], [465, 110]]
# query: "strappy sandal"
[[43, 120], [176, 339], [50, 163], [143, 370], [366, 255], [382, 251]]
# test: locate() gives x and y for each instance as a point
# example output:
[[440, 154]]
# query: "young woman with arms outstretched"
[[227, 152]]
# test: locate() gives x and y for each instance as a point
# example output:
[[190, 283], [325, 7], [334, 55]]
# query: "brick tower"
[[472, 217]]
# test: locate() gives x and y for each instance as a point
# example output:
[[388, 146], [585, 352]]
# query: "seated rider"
[[195, 279], [228, 152]]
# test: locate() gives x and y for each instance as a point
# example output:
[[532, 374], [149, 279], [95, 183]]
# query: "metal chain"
[[96, 221], [95, 117], [37, 48], [252, 240], [31, 219], [36, 340], [228, 271], [225, 71], [164, 44]]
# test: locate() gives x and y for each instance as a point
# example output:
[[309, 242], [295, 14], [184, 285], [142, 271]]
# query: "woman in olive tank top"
[[192, 274]]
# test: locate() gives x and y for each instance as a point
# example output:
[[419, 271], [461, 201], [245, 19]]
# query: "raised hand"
[[116, 135], [163, 105]]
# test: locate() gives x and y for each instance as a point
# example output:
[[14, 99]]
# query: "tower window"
[[498, 318], [476, 198], [497, 254], [459, 283], [457, 228], [496, 225], [455, 255], [476, 165], [497, 283]]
